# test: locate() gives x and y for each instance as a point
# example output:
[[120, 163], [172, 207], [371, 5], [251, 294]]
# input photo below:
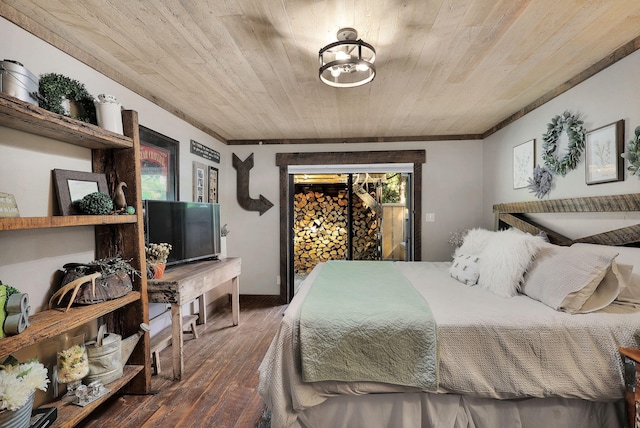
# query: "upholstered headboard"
[[515, 215]]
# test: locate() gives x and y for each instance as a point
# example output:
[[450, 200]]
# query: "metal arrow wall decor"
[[243, 168]]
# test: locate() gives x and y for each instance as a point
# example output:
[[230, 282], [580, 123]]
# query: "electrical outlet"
[[431, 217], [278, 280]]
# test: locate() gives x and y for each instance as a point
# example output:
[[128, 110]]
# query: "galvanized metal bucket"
[[18, 82], [18, 418]]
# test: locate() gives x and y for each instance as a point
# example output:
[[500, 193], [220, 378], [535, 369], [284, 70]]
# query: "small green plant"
[[54, 87], [96, 203]]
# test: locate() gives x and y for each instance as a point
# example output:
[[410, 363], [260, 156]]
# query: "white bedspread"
[[488, 347]]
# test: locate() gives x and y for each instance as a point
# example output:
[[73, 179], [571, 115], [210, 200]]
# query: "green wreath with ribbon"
[[632, 154], [575, 131]]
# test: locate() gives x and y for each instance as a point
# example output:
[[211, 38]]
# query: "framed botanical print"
[[524, 156], [603, 147]]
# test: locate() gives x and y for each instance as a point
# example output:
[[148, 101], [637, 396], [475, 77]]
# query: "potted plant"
[[56, 89], [18, 384], [157, 255]]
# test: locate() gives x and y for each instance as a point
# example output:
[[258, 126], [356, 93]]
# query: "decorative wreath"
[[53, 87], [575, 132], [540, 183], [633, 154]]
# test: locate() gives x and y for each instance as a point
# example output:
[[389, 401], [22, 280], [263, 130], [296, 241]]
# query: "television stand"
[[183, 284]]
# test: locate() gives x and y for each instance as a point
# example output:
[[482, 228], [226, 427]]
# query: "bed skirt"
[[425, 410]]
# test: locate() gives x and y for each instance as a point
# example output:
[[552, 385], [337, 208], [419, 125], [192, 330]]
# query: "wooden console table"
[[185, 283]]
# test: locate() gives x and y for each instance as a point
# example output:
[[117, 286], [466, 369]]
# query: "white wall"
[[605, 98]]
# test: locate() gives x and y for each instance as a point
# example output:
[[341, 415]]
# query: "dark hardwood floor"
[[220, 380]]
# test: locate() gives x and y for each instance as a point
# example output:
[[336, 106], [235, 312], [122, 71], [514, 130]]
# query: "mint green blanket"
[[364, 321]]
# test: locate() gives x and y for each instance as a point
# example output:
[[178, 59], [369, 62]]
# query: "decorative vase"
[[18, 418], [158, 271], [72, 363], [223, 247]]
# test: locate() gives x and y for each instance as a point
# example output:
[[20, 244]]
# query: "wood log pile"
[[321, 229], [365, 232]]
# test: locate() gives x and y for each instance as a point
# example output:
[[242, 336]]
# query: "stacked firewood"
[[321, 229], [365, 231]]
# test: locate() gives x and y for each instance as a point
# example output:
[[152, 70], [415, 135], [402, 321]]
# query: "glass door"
[[349, 216]]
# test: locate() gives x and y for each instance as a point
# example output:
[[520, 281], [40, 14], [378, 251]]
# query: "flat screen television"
[[192, 229]]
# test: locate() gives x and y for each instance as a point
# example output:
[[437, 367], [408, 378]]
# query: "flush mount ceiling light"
[[348, 62]]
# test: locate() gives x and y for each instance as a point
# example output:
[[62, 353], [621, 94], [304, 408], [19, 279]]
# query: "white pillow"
[[568, 278], [474, 241], [465, 269], [630, 293], [504, 260]]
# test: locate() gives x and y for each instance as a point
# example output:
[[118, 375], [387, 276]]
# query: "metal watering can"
[[109, 353]]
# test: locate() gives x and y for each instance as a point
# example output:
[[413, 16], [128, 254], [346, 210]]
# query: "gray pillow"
[[567, 278], [628, 257]]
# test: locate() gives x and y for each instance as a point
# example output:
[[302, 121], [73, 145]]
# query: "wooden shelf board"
[[632, 353], [18, 114], [70, 415], [50, 323], [23, 223]]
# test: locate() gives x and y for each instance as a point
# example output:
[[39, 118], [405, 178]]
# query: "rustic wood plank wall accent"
[[511, 214], [526, 225], [283, 160], [613, 203]]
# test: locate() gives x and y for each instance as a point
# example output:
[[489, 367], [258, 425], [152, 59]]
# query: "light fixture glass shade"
[[347, 63]]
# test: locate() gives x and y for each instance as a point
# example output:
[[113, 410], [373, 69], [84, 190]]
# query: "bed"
[[502, 357]]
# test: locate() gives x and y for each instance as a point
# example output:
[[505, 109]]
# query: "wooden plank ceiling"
[[247, 70]]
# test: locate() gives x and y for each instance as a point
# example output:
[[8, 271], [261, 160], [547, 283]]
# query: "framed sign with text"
[[159, 165]]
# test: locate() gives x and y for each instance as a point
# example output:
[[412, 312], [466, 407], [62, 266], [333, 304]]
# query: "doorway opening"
[[349, 216], [354, 166]]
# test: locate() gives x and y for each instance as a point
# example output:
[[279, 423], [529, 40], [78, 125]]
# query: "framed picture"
[[200, 182], [159, 165], [72, 186], [524, 156], [603, 147], [213, 184]]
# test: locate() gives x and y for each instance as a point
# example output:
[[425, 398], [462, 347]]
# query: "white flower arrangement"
[[157, 253], [19, 380]]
